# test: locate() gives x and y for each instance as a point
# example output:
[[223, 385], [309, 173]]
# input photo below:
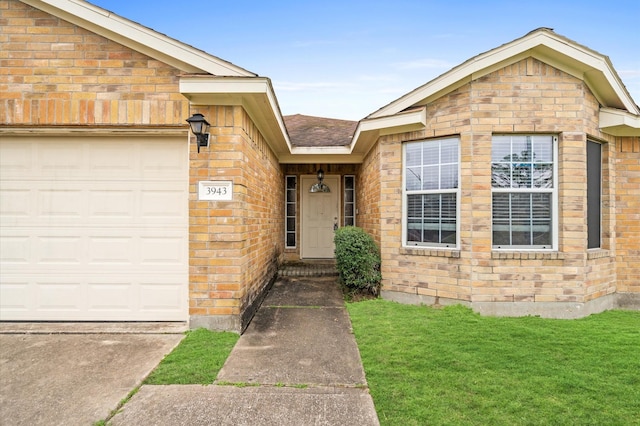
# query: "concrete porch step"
[[308, 269]]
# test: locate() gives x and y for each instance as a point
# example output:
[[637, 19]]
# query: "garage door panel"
[[158, 251], [115, 298], [86, 160], [94, 230], [111, 203], [14, 203], [100, 203], [16, 160], [159, 297], [111, 250], [16, 297], [64, 202], [104, 158], [110, 296], [60, 159], [65, 295], [47, 250], [168, 160], [108, 161], [157, 204], [59, 250], [15, 250]]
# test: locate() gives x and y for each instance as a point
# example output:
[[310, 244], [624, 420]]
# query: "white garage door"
[[93, 229]]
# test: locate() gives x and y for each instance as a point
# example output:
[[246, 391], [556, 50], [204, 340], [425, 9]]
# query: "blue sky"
[[345, 59]]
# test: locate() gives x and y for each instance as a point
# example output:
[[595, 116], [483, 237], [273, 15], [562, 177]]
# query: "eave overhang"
[[138, 37], [254, 94], [619, 123]]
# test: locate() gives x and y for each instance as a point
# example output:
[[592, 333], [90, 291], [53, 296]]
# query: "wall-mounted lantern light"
[[320, 185], [200, 128]]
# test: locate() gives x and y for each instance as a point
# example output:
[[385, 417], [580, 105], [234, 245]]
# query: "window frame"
[[406, 193], [553, 191], [345, 202], [594, 225], [287, 202]]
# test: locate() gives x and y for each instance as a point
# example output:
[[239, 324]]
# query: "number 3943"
[[216, 190]]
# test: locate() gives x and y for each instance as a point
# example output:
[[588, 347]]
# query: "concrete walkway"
[[296, 364]]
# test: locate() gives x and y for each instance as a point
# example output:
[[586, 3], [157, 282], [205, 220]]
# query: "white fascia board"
[[619, 123], [321, 150], [370, 129], [223, 85], [321, 158], [406, 121], [389, 124], [138, 37]]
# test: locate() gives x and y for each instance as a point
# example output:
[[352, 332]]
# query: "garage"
[[94, 228]]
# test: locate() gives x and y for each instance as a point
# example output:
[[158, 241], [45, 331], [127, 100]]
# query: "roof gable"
[[138, 37], [543, 44]]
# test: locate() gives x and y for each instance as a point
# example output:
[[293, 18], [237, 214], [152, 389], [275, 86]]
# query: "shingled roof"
[[308, 131]]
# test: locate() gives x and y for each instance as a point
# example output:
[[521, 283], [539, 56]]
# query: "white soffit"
[[137, 37], [583, 63]]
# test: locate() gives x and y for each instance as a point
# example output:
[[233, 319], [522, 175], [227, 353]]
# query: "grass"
[[196, 360], [450, 366]]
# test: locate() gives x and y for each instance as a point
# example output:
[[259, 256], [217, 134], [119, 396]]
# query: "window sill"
[[430, 251], [544, 255], [597, 253]]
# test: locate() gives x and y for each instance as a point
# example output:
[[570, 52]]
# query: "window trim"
[[405, 194], [554, 197]]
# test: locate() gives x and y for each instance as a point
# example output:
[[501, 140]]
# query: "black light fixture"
[[200, 128], [320, 185]]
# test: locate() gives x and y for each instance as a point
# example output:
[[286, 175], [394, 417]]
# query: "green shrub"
[[357, 259]]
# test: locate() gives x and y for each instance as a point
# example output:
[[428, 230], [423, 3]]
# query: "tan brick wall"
[[526, 97], [368, 194], [55, 73], [235, 246], [627, 200]]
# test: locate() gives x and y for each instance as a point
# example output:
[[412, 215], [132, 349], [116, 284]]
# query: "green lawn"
[[197, 359], [428, 366]]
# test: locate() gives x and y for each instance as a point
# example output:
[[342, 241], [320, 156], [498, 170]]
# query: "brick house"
[[509, 184]]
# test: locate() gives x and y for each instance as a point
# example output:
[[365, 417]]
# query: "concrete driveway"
[[75, 374]]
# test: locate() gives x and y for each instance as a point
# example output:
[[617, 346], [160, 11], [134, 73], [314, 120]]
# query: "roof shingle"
[[308, 131]]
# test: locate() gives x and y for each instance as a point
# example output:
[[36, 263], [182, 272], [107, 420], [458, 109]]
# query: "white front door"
[[319, 215]]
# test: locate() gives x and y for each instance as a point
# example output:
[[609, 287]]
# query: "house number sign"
[[219, 190]]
